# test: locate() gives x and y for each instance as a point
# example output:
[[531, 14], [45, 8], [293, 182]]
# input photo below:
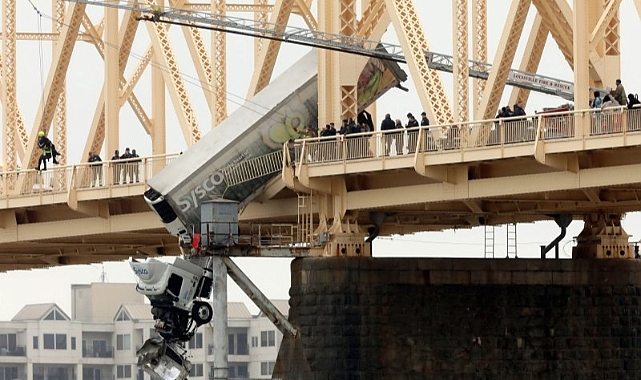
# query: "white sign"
[[541, 81]]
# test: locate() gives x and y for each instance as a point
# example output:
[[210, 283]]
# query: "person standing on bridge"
[[424, 120], [518, 109], [412, 134], [387, 125], [597, 102], [619, 94], [135, 173], [117, 168], [96, 169], [128, 166], [611, 118]]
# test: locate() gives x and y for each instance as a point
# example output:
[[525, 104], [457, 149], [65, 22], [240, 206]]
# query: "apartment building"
[[109, 322]]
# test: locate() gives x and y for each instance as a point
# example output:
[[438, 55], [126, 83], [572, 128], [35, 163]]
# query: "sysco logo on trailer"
[[201, 191]]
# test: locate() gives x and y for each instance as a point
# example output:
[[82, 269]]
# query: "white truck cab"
[[176, 292]]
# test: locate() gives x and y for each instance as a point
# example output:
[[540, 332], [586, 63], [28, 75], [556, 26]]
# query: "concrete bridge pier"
[[367, 318]]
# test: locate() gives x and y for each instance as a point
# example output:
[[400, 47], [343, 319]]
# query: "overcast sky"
[[272, 275]]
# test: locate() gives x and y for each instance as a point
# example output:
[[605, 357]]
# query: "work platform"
[[432, 178]]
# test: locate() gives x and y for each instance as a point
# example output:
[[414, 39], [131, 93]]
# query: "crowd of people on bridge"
[[616, 98], [122, 172], [127, 171], [394, 130]]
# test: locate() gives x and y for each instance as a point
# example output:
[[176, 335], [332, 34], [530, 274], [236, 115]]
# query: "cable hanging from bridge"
[[188, 78]]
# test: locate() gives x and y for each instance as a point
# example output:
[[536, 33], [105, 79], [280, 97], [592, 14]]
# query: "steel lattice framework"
[[72, 25], [327, 22]]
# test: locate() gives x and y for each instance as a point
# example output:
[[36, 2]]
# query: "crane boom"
[[331, 41]]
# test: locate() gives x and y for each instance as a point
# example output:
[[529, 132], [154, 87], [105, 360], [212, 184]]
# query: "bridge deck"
[[483, 172], [430, 178]]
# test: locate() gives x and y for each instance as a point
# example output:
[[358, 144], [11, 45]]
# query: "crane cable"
[[40, 53]]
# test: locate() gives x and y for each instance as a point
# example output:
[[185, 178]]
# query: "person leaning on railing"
[[610, 107], [633, 101], [634, 117]]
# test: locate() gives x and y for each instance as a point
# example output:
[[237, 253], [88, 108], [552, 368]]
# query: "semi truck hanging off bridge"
[[236, 160]]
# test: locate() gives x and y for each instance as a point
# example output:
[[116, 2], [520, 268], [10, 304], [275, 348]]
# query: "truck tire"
[[201, 313]]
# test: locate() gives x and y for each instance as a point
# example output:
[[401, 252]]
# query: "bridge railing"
[[60, 179], [466, 136]]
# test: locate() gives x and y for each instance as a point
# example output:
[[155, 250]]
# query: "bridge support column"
[[603, 237], [411, 319], [219, 304]]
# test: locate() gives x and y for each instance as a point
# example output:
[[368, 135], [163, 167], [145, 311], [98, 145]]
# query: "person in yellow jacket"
[[48, 151]]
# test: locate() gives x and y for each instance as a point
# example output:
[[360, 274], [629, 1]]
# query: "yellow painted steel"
[[445, 187]]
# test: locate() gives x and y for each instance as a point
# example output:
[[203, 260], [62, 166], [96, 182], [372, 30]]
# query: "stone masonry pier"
[[369, 319]]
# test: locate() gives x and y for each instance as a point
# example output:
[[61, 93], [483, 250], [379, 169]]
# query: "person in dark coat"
[[518, 109], [412, 133], [387, 127], [128, 166], [117, 168], [135, 174], [96, 169]]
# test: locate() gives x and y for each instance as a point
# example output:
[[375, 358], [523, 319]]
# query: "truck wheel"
[[202, 313]]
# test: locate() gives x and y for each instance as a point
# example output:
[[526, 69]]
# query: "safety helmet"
[[41, 133]]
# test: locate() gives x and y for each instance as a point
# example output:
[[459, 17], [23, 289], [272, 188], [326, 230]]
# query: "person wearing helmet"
[[48, 151]]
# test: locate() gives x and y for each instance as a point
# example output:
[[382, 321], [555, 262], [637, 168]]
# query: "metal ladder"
[[253, 168], [489, 241], [305, 218], [511, 241]]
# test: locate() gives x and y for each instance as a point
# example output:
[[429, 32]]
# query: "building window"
[[73, 342], [55, 341], [266, 368], [196, 370], [196, 341], [123, 342], [254, 341], [231, 347], [8, 342], [238, 371], [98, 349], [8, 373], [55, 315], [61, 341], [89, 373], [35, 342], [268, 338], [241, 344], [238, 343], [141, 374], [123, 316], [123, 371]]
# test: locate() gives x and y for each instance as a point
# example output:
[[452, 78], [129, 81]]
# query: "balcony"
[[99, 377], [211, 377], [243, 350], [16, 351], [102, 353]]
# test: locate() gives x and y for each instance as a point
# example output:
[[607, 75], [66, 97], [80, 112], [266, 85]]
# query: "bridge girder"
[[553, 18]]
